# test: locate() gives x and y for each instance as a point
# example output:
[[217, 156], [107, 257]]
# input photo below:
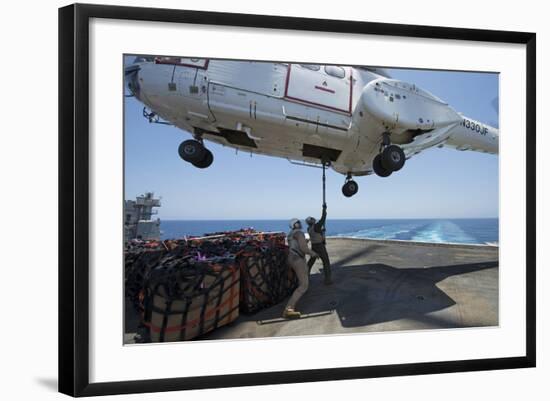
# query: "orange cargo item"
[[184, 302]]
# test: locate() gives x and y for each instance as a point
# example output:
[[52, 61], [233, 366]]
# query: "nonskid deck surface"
[[386, 286]]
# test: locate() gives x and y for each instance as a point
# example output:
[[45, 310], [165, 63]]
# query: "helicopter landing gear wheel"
[[350, 188], [392, 158], [192, 151], [206, 161], [378, 168]]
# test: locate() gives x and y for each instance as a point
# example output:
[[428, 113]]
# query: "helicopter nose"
[[131, 75]]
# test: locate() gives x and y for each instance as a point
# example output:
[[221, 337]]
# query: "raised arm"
[[321, 223]]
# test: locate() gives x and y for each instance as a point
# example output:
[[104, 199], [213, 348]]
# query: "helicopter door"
[[326, 87]]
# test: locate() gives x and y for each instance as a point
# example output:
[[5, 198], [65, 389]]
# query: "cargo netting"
[[185, 298], [185, 288]]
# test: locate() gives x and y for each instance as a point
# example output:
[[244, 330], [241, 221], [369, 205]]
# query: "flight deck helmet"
[[295, 224], [310, 221]]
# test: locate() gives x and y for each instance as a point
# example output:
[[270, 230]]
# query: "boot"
[[290, 313], [328, 275]]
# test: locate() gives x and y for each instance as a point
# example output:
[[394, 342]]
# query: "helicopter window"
[[335, 71], [140, 59], [313, 67]]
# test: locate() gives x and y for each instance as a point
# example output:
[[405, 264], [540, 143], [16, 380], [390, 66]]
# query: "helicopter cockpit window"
[[141, 59], [312, 67], [335, 71]]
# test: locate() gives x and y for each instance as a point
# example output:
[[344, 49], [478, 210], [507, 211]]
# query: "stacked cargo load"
[[185, 298], [137, 267], [188, 287]]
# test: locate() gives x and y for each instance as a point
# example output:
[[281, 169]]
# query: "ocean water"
[[462, 231]]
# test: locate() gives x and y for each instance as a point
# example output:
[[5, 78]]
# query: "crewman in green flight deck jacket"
[[316, 231]]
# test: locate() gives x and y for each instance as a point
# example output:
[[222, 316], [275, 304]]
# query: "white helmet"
[[310, 220], [295, 223]]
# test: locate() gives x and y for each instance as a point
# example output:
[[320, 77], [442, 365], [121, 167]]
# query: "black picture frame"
[[74, 198]]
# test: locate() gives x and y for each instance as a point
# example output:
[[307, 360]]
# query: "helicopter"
[[357, 120]]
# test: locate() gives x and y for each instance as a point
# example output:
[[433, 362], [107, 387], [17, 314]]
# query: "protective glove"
[[324, 206]]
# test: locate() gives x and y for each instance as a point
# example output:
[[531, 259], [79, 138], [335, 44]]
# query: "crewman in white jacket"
[[298, 250]]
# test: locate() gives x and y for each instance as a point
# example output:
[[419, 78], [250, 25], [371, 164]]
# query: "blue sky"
[[438, 183]]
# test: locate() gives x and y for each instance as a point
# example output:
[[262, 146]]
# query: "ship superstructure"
[[138, 218]]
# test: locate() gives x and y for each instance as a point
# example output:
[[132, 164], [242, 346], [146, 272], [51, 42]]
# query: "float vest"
[[314, 236], [293, 244]]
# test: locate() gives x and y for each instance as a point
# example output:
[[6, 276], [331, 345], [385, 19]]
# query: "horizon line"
[[338, 218]]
